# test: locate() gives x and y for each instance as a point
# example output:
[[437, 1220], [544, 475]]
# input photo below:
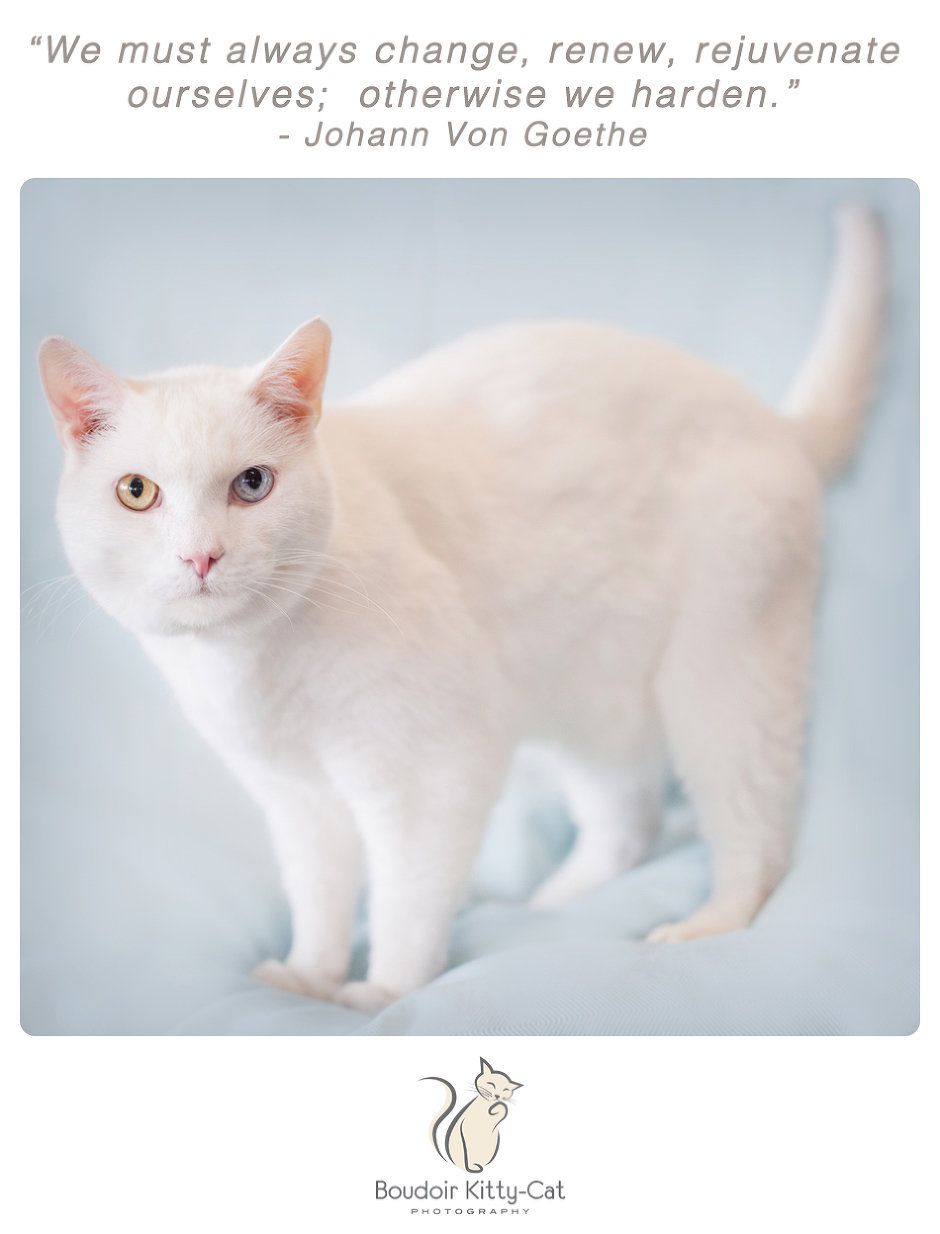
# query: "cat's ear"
[[82, 393], [485, 1068], [291, 382]]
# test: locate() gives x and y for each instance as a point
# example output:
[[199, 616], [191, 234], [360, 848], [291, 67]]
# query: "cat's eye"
[[253, 484], [137, 492]]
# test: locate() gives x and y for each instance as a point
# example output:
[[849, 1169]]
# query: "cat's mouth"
[[199, 590], [200, 603], [180, 605]]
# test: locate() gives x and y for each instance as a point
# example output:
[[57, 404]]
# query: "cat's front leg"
[[319, 857], [420, 844]]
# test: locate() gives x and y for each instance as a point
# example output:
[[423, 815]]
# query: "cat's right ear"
[[291, 383], [82, 393]]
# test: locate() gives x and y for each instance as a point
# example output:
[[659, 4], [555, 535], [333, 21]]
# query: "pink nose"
[[202, 563]]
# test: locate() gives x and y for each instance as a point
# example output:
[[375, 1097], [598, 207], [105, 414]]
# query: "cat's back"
[[515, 374], [551, 405]]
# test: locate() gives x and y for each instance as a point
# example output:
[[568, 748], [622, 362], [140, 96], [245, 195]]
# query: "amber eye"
[[137, 492]]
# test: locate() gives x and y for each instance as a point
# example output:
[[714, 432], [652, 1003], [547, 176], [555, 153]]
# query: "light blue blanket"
[[149, 889]]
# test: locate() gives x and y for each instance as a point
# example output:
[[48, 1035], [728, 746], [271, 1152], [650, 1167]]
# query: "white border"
[[732, 1134]]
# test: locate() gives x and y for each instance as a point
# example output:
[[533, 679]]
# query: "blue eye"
[[253, 484]]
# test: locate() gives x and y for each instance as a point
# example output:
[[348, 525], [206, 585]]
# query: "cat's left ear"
[[291, 382], [485, 1068]]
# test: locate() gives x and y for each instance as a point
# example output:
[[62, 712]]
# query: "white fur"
[[553, 532]]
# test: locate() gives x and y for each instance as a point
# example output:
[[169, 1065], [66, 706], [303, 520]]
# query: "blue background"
[[149, 889]]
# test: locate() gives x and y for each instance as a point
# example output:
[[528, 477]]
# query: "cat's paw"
[[364, 996], [283, 977], [714, 917], [673, 933]]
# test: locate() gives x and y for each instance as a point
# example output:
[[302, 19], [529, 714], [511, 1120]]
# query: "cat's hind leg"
[[617, 814], [733, 688]]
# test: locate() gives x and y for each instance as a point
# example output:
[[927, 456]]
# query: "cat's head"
[[188, 499], [494, 1085]]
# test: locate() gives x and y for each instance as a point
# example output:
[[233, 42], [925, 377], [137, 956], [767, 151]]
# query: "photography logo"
[[471, 1139]]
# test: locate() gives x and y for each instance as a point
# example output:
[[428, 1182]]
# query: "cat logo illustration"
[[472, 1138]]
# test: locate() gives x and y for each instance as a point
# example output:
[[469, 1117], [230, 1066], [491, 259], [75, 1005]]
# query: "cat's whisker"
[[58, 595], [299, 595], [282, 611], [60, 610], [332, 607], [308, 554], [316, 552], [304, 559], [48, 592], [371, 607], [33, 611], [49, 582], [96, 609], [311, 579], [326, 591]]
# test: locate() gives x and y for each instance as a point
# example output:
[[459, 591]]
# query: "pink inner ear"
[[291, 383], [82, 393]]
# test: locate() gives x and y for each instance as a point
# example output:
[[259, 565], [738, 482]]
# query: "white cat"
[[554, 532]]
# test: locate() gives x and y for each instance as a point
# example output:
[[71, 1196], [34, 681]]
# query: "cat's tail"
[[831, 392], [448, 1106]]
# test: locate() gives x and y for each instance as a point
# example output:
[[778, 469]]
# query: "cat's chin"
[[192, 615]]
